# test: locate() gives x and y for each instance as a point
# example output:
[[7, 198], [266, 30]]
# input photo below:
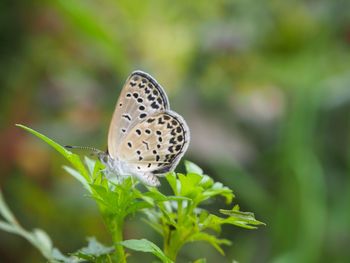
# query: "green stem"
[[171, 251], [115, 225], [172, 243]]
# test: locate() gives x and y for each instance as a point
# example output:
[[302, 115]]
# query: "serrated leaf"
[[237, 221], [57, 256], [242, 219], [193, 168], [246, 216], [145, 245], [95, 248]]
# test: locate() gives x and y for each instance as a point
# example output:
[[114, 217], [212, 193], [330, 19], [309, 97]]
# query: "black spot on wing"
[[151, 98], [154, 105], [146, 143], [126, 116], [162, 99]]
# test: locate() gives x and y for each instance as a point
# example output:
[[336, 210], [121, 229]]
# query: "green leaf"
[[156, 195], [178, 198], [67, 154], [145, 245], [43, 240], [190, 185], [193, 168], [90, 164], [97, 171], [77, 176], [72, 158], [94, 248], [138, 205], [5, 211], [219, 189], [206, 182], [210, 221], [214, 222], [200, 260], [239, 218], [38, 238], [171, 178], [57, 256], [105, 197], [7, 227], [213, 240]]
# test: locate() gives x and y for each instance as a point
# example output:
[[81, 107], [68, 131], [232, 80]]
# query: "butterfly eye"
[[104, 158]]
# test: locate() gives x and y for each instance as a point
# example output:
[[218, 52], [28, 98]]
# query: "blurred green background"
[[263, 85]]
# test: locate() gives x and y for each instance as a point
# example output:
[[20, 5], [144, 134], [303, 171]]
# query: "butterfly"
[[146, 139]]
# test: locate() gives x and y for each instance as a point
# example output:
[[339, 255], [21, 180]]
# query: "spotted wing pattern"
[[140, 98], [156, 144]]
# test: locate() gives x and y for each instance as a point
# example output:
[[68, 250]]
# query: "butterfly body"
[[146, 139]]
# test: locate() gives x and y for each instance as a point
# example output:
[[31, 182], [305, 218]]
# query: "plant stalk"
[[115, 225], [172, 244]]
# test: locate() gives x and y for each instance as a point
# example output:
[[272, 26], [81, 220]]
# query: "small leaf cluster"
[[179, 217], [182, 219]]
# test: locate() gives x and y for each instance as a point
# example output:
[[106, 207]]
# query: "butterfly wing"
[[156, 145], [140, 98]]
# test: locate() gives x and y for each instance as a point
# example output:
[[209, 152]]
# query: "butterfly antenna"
[[83, 148]]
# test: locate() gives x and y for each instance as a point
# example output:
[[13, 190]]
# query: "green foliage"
[[94, 251], [180, 217], [183, 220], [38, 238], [145, 245]]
